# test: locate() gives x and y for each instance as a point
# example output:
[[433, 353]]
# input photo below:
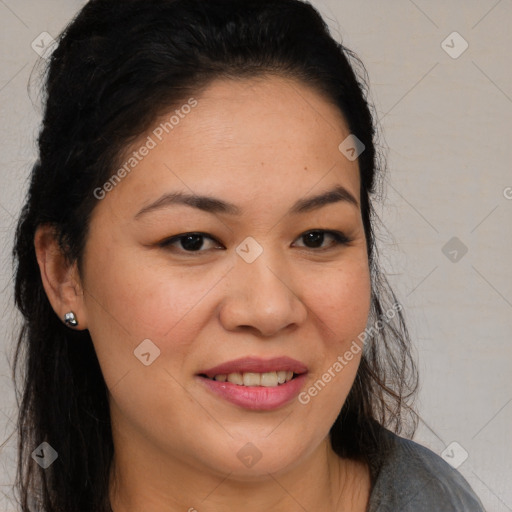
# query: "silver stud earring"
[[70, 319]]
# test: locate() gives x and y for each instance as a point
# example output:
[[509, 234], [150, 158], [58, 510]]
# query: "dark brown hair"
[[118, 66]]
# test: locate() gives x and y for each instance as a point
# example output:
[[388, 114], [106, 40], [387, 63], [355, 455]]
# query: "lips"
[[256, 365], [255, 398]]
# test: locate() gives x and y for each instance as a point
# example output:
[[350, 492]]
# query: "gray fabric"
[[414, 479]]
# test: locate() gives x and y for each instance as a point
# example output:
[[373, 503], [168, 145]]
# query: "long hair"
[[117, 67]]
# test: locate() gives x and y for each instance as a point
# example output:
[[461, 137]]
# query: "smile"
[[267, 379]]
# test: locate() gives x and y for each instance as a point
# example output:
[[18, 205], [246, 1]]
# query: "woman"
[[206, 327]]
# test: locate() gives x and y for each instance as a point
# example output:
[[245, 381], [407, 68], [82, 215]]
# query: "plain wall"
[[447, 125]]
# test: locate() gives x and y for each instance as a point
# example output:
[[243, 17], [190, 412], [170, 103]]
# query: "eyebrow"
[[214, 205]]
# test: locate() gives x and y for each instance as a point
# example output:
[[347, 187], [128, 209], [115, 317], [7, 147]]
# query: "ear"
[[60, 278]]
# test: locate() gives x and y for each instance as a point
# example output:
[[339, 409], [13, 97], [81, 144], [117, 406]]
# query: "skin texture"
[[262, 144]]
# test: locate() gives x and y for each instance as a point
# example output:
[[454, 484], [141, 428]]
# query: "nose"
[[261, 297]]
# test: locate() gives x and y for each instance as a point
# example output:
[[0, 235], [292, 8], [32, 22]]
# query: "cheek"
[[147, 299], [340, 300], [129, 302], [339, 306]]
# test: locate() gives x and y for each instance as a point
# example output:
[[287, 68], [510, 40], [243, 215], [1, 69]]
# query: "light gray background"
[[447, 123]]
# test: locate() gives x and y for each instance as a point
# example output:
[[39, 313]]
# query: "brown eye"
[[192, 242], [315, 239], [188, 242]]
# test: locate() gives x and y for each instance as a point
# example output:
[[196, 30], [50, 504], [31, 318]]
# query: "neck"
[[143, 478]]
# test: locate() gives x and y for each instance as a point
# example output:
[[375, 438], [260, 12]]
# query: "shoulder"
[[413, 478]]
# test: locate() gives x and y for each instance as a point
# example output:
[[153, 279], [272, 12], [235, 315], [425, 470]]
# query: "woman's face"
[[255, 286]]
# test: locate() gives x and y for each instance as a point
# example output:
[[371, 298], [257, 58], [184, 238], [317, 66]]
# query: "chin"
[[252, 461]]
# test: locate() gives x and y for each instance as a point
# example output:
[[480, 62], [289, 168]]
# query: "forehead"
[[262, 112], [240, 138]]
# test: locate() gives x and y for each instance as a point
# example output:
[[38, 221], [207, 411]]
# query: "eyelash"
[[338, 237]]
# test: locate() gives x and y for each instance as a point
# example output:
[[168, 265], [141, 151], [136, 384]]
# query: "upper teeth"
[[267, 379]]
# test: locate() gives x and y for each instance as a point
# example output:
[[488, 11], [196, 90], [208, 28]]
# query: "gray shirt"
[[414, 479]]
